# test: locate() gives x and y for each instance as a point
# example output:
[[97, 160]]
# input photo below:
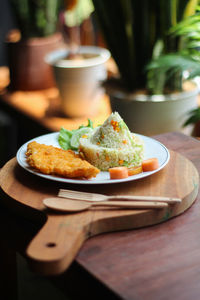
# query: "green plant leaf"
[[194, 117], [173, 63]]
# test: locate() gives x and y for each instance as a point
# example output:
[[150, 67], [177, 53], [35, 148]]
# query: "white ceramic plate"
[[153, 148]]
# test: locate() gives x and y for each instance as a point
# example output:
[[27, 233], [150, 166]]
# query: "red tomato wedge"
[[150, 164], [118, 172]]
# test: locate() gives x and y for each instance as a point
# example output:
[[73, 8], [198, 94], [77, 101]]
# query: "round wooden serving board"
[[54, 247]]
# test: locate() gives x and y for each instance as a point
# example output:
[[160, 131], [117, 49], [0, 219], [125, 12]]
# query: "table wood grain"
[[55, 246], [161, 262]]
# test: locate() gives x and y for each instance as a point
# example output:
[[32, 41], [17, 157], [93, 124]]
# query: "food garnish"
[[56, 161], [118, 172], [150, 164], [134, 170], [69, 139]]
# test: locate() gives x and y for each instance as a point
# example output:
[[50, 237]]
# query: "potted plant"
[[37, 22], [78, 69], [151, 97]]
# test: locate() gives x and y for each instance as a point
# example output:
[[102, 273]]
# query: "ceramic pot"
[[79, 81], [151, 115], [28, 70]]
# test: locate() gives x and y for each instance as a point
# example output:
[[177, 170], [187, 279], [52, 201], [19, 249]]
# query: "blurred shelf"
[[44, 106]]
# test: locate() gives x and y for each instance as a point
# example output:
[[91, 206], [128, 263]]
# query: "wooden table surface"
[[160, 262]]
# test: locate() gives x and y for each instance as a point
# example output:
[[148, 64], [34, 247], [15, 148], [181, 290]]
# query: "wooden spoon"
[[63, 204]]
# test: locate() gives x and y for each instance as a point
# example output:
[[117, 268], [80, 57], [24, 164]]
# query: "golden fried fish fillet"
[[53, 160]]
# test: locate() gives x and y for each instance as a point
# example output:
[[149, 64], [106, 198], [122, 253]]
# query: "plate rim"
[[90, 181]]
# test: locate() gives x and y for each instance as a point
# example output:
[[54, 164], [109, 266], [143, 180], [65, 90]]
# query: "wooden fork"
[[93, 197]]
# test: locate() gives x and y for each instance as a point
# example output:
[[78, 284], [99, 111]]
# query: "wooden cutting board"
[[55, 246]]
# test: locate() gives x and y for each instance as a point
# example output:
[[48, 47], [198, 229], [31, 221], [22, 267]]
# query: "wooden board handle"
[[55, 246]]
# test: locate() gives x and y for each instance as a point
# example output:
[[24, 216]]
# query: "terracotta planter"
[[28, 70], [151, 115]]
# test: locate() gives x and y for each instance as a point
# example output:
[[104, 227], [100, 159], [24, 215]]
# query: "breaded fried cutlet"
[[53, 160]]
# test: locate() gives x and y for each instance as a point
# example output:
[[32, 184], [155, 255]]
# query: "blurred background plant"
[[137, 31], [36, 18], [41, 28], [76, 11], [155, 47], [39, 18], [185, 61], [169, 70], [35, 34], [76, 24]]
